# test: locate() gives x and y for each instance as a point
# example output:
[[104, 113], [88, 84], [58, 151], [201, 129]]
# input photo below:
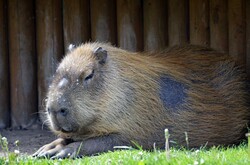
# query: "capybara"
[[102, 96]]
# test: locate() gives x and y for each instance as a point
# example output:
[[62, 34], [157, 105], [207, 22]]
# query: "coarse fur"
[[132, 97]]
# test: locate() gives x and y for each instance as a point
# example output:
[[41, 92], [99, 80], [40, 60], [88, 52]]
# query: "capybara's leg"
[[52, 148], [62, 148]]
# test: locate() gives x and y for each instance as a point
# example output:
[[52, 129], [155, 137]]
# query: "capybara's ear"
[[71, 47], [101, 55]]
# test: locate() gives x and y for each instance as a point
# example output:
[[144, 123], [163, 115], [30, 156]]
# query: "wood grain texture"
[[237, 30], [248, 38], [4, 69], [178, 28], [103, 20], [130, 25], [76, 22], [49, 37], [155, 24], [219, 25], [22, 63], [199, 22]]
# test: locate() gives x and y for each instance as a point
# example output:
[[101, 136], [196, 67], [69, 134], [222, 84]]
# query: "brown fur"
[[123, 96]]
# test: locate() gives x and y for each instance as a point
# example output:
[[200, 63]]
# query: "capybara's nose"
[[49, 110]]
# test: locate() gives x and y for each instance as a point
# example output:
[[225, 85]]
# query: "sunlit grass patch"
[[215, 155], [232, 155]]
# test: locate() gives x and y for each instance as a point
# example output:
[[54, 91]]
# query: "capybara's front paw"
[[57, 149]]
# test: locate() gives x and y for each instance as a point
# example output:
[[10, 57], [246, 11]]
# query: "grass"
[[216, 155], [232, 155]]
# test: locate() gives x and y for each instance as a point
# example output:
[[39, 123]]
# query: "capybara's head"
[[73, 97]]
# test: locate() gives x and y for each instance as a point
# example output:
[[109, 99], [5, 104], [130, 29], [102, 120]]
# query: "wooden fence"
[[34, 35]]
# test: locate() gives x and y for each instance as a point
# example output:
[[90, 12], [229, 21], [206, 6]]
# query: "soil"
[[29, 140]]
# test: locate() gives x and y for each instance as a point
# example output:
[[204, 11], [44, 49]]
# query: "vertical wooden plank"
[[155, 24], [219, 25], [237, 30], [199, 22], [76, 22], [22, 63], [49, 43], [4, 69], [103, 20], [129, 24], [248, 37], [178, 28]]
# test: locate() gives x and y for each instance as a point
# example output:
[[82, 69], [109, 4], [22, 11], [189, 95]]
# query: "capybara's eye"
[[89, 76]]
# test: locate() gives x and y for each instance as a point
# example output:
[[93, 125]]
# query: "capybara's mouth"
[[66, 130], [61, 129]]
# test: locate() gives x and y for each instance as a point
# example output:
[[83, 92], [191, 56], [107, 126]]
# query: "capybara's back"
[[207, 99], [193, 91], [105, 96]]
